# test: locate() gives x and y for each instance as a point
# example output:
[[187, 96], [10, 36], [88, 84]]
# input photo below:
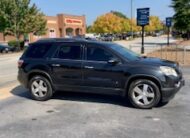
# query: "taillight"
[[20, 63]]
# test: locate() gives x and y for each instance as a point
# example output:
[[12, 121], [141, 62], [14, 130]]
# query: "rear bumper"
[[169, 93], [22, 78]]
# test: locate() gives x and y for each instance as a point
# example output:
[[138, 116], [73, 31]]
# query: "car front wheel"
[[144, 94], [40, 88]]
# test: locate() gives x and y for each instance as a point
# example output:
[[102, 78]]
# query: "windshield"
[[125, 52]]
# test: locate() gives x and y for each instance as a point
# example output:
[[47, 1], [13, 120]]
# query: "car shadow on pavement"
[[20, 91]]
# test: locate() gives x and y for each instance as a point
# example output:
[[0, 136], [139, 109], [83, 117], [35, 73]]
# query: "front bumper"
[[169, 93]]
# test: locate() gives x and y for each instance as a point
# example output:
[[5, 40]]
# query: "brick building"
[[62, 25]]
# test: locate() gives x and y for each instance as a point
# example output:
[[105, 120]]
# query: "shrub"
[[14, 44]]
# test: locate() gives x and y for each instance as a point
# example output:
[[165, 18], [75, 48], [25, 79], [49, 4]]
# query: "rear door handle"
[[88, 67], [56, 65]]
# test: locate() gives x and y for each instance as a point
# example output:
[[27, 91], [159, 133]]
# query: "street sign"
[[143, 16], [169, 22]]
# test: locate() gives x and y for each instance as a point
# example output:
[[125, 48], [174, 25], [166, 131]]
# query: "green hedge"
[[14, 43]]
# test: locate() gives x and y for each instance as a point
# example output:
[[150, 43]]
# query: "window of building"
[[52, 33]]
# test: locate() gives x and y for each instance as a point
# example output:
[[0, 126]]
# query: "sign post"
[[168, 24], [142, 48], [143, 16]]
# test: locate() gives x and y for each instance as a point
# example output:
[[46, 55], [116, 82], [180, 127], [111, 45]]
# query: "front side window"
[[98, 54], [69, 52], [130, 55]]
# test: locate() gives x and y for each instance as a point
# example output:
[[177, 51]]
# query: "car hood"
[[156, 62]]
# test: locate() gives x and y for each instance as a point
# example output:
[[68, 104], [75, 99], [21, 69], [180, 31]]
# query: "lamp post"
[[132, 18]]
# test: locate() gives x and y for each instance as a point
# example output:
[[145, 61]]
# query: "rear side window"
[[38, 50], [69, 52]]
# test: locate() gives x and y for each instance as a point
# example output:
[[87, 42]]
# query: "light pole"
[[132, 18]]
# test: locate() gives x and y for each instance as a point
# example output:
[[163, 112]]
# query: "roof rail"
[[61, 39]]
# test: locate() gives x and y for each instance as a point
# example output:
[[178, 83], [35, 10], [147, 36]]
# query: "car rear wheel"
[[4, 51], [144, 94], [40, 88]]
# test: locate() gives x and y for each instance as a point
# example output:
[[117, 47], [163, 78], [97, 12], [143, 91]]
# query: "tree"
[[119, 14], [125, 25], [182, 15], [125, 22], [108, 23], [154, 25], [3, 27], [113, 23], [134, 25], [89, 29], [3, 20], [19, 17]]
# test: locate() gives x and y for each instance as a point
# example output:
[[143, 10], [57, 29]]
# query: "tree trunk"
[[18, 42], [4, 37]]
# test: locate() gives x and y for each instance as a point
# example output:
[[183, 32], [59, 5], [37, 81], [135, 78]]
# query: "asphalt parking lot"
[[70, 115]]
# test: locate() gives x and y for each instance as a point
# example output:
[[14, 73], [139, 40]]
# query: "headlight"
[[168, 71]]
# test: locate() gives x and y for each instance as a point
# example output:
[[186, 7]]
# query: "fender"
[[139, 76], [36, 71]]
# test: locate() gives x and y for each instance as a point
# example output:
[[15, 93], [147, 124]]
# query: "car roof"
[[72, 40]]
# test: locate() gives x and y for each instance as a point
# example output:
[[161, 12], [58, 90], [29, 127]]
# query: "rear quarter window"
[[37, 50]]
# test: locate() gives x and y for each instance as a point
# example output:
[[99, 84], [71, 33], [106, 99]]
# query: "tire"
[[4, 51], [161, 104], [144, 94], [40, 88]]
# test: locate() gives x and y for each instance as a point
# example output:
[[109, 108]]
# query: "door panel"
[[67, 65], [66, 72], [102, 74], [98, 72]]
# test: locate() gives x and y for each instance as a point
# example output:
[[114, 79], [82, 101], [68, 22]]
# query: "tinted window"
[[69, 52], [130, 55], [38, 50], [98, 54]]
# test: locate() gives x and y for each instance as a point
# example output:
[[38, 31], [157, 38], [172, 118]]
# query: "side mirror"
[[113, 61]]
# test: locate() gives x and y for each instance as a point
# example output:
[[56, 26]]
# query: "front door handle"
[[56, 65], [88, 67]]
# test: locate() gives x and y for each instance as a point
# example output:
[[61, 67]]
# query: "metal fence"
[[180, 54]]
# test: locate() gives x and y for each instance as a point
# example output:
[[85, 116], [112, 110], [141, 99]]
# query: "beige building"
[[62, 25]]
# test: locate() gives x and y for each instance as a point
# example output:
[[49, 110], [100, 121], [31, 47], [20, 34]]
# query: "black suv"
[[52, 65]]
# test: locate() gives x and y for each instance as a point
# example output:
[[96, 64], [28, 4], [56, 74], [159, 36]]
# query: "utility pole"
[[132, 18]]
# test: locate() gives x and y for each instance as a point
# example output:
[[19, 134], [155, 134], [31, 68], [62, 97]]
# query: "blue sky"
[[94, 8]]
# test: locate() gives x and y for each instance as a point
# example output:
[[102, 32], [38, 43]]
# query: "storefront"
[[62, 25]]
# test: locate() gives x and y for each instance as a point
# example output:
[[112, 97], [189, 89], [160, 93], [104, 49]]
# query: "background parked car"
[[157, 34], [6, 49], [107, 37]]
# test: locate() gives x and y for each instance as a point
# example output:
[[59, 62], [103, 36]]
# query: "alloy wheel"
[[143, 94], [39, 88]]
